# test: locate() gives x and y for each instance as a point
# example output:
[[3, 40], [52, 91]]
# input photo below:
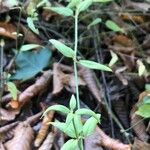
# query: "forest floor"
[[35, 75]]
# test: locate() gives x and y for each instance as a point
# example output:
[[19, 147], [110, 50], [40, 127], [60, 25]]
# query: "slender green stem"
[[75, 62], [76, 71], [79, 144]]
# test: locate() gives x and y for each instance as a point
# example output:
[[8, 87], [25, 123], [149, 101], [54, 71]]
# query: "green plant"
[[144, 107], [73, 125]]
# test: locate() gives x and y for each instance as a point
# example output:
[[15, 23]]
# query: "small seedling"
[[73, 126]]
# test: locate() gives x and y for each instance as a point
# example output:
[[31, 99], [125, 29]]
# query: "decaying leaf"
[[62, 79], [7, 115], [5, 136], [2, 146], [22, 139], [8, 127], [91, 142], [88, 77], [108, 142], [34, 89], [7, 30], [48, 142], [44, 128], [33, 119], [140, 145], [122, 40], [135, 18]]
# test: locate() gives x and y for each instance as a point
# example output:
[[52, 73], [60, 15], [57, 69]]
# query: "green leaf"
[[72, 103], [30, 22], [29, 47], [94, 65], [30, 63], [65, 11], [114, 59], [70, 145], [141, 68], [65, 50], [147, 87], [144, 111], [84, 5], [78, 123], [95, 22], [113, 26], [68, 130], [146, 100], [59, 108], [84, 111], [90, 126], [73, 3], [12, 89], [69, 118]]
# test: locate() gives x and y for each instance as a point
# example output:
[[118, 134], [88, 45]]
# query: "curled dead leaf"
[[48, 142], [108, 142], [140, 145], [122, 40], [44, 129], [22, 139]]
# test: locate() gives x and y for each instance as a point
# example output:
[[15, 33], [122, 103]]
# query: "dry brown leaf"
[[34, 89], [2, 146], [88, 77], [110, 143], [22, 139], [128, 60], [6, 30], [7, 115], [140, 145], [8, 127], [33, 119], [122, 49], [135, 18], [48, 142], [47, 15], [90, 143], [30, 37], [44, 129], [5, 136], [62, 79], [57, 83], [122, 40], [14, 104]]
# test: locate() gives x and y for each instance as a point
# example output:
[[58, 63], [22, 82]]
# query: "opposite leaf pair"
[[73, 126]]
